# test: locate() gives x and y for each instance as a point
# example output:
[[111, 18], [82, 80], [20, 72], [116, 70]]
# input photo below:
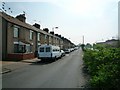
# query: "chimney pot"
[[52, 32], [21, 17], [36, 25], [56, 34], [46, 30]]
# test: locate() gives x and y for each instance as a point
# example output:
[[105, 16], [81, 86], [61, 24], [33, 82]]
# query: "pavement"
[[8, 66]]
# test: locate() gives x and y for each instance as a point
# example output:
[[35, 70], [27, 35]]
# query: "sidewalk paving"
[[8, 66]]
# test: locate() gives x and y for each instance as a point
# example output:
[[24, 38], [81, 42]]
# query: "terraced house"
[[21, 40]]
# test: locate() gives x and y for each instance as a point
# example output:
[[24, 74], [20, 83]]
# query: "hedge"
[[103, 65]]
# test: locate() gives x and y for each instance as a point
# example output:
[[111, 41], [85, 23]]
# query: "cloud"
[[95, 19], [84, 7]]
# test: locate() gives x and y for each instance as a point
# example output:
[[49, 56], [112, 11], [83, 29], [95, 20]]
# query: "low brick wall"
[[20, 56]]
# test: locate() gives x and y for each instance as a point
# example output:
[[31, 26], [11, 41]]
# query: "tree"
[[83, 47], [88, 45]]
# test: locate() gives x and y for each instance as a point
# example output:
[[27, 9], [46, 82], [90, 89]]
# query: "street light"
[[54, 34], [54, 28]]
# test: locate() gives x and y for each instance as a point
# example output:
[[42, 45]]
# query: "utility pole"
[[83, 39], [82, 45]]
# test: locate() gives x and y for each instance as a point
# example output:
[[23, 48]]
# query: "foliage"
[[88, 45], [83, 47], [103, 65]]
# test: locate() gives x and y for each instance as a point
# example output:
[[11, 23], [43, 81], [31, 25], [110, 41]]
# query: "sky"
[[96, 20]]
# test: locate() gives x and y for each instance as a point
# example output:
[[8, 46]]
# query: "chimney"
[[63, 38], [36, 25], [59, 36], [21, 17], [56, 34], [52, 32], [46, 30]]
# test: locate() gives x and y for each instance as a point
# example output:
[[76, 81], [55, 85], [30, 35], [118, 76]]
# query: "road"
[[63, 73]]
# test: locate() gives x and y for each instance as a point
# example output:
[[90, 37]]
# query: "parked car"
[[71, 49], [67, 50], [62, 53], [49, 52]]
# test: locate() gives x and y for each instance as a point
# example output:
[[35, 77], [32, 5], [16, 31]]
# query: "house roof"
[[112, 40], [108, 41], [20, 23], [16, 21]]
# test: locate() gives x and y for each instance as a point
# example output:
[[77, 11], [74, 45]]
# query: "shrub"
[[103, 65]]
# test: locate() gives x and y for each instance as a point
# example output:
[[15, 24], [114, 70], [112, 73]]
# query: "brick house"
[[66, 43], [21, 40]]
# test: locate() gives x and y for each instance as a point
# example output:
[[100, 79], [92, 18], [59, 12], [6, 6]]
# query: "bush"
[[103, 65]]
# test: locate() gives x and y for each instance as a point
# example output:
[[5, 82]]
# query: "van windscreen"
[[42, 49]]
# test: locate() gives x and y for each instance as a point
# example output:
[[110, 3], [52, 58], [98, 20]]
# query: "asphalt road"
[[63, 73]]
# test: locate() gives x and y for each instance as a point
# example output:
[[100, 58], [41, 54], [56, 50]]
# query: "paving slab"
[[9, 66]]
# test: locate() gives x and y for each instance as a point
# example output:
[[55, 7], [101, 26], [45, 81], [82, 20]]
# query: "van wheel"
[[55, 59], [41, 60], [61, 56]]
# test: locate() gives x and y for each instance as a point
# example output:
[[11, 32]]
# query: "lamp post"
[[54, 28], [69, 43], [55, 40]]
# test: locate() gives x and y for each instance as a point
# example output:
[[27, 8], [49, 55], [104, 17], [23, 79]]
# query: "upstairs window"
[[38, 36], [16, 31], [31, 34], [45, 37], [49, 39]]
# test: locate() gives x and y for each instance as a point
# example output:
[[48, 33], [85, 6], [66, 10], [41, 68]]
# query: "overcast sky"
[[97, 20]]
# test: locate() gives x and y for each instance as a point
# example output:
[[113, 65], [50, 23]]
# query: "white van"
[[49, 52]]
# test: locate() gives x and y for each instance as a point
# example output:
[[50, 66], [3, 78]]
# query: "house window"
[[22, 48], [45, 37], [28, 48], [38, 36], [16, 32], [16, 46], [39, 44], [49, 39], [31, 34], [19, 48]]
